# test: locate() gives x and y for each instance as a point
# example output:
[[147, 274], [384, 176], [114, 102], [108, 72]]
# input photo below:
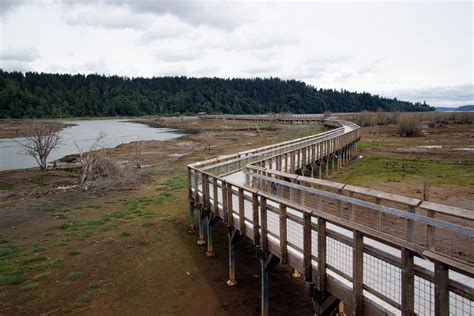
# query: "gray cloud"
[[114, 19], [19, 54], [195, 13], [7, 6], [216, 14], [459, 94]]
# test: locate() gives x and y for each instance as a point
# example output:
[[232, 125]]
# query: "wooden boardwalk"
[[378, 253]]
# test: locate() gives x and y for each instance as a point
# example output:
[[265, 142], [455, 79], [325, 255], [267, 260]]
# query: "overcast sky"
[[412, 51]]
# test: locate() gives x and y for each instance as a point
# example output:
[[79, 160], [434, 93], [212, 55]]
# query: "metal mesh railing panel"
[[382, 277]]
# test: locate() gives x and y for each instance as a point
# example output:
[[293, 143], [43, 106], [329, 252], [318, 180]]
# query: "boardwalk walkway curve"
[[377, 252]]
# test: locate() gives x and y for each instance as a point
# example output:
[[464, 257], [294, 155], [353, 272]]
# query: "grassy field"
[[374, 168]]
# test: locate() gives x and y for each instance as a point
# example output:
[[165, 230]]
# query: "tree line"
[[39, 95]]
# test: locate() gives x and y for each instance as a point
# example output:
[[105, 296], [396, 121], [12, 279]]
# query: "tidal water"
[[83, 135]]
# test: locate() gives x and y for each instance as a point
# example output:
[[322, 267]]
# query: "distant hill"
[[62, 95], [464, 108]]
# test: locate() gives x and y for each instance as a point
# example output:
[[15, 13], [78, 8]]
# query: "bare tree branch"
[[42, 140]]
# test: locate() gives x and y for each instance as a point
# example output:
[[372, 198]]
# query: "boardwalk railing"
[[374, 251]]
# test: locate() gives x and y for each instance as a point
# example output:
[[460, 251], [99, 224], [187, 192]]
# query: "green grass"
[[75, 276], [30, 286], [3, 240], [374, 169], [73, 253], [125, 234], [40, 276], [148, 224], [25, 308], [10, 274], [57, 263], [37, 247], [9, 251], [41, 266], [33, 259], [7, 186], [176, 183], [86, 298]]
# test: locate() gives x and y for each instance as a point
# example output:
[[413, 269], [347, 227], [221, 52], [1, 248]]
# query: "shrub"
[[409, 126], [393, 117], [381, 117], [364, 119]]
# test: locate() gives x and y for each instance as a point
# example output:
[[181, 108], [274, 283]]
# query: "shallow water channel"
[[83, 135]]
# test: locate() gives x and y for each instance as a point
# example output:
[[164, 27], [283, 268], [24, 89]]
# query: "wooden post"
[[224, 202], [205, 192], [430, 232], [408, 283], [283, 234], [338, 204], [190, 190], [308, 271], [303, 158], [326, 162], [196, 187], [379, 216], [230, 217], [411, 226], [350, 208], [256, 238], [215, 197], [263, 224], [242, 211], [322, 281], [441, 289], [357, 274]]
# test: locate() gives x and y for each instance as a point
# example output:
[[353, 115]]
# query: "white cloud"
[[19, 54], [177, 55], [164, 27]]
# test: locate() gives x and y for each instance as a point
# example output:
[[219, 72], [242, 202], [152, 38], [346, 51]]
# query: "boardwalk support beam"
[[192, 227], [267, 262], [202, 224], [234, 238], [211, 221]]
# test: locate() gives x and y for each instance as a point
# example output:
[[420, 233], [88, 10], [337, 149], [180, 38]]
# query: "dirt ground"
[[21, 128], [128, 252]]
